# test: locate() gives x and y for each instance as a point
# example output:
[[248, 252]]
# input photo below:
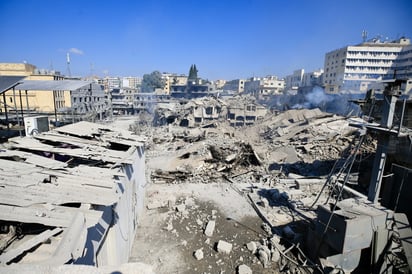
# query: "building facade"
[[314, 78], [264, 87], [403, 63], [237, 85], [48, 92], [172, 80], [354, 68], [131, 82], [294, 81]]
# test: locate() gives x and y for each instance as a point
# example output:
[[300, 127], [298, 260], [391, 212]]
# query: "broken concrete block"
[[198, 254], [171, 201], [263, 257], [252, 247], [210, 227], [169, 227], [181, 208], [224, 247], [199, 222], [244, 269], [275, 256], [153, 204], [189, 202]]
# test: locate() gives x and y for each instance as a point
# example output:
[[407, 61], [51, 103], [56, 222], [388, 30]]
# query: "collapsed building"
[[72, 195], [327, 204], [205, 111], [332, 191]]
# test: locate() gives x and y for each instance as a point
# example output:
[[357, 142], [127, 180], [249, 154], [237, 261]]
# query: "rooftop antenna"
[[68, 65], [364, 35]]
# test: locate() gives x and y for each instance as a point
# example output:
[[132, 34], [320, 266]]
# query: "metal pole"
[[5, 111], [55, 111], [21, 106], [15, 109], [27, 102]]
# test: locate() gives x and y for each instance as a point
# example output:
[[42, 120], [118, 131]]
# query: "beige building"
[[173, 80], [37, 100], [47, 92]]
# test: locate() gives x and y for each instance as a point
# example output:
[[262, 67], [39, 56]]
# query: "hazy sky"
[[225, 39]]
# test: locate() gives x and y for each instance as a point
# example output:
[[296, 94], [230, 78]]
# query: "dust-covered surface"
[[172, 235], [224, 199], [243, 181]]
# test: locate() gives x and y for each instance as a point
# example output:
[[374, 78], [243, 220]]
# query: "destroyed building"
[[307, 174], [204, 111], [298, 191], [72, 195]]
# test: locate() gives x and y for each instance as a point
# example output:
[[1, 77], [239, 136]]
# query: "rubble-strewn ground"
[[231, 176]]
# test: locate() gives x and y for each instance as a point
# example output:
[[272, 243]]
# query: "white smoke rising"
[[315, 97]]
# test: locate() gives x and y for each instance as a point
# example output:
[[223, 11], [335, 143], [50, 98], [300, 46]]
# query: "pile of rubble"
[[266, 164]]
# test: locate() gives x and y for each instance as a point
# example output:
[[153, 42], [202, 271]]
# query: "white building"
[[403, 63], [112, 82], [355, 68], [260, 87], [131, 82]]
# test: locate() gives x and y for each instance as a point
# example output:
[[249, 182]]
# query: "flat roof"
[[51, 85]]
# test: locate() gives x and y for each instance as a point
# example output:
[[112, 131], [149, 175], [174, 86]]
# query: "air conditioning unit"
[[36, 124]]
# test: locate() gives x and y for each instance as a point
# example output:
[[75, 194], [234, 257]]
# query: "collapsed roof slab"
[[37, 189]]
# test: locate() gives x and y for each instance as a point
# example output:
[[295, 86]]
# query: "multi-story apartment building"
[[237, 85], [131, 82], [355, 68], [112, 82], [122, 100], [263, 87], [403, 64], [173, 80]]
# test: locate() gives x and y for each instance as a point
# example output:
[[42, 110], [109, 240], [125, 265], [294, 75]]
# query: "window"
[[209, 110]]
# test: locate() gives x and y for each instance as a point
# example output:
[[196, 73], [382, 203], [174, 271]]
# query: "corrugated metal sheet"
[[52, 85], [8, 82]]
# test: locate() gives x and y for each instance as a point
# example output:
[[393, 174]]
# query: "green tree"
[[152, 81], [193, 72]]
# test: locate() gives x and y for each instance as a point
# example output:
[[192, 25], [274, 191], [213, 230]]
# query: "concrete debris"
[[210, 227], [198, 254], [244, 269], [181, 208], [252, 247], [224, 247]]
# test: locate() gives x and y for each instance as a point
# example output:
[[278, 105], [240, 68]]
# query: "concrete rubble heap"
[[66, 198], [279, 166], [233, 188]]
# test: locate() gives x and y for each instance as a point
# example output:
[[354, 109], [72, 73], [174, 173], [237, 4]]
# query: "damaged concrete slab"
[[71, 193]]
